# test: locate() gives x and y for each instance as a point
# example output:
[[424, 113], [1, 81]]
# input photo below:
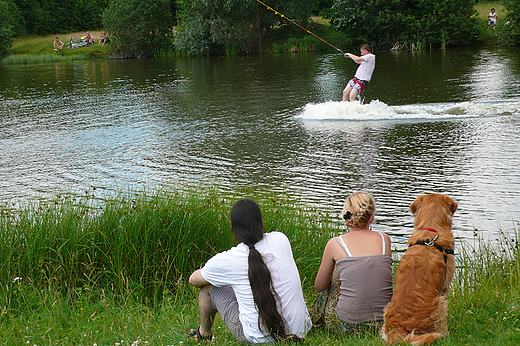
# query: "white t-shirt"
[[231, 268], [366, 68], [492, 17]]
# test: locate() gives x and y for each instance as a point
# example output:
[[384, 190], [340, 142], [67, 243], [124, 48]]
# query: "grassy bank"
[[85, 270], [36, 49], [40, 49], [483, 9]]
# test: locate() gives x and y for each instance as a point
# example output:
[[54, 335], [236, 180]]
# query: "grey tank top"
[[366, 286]]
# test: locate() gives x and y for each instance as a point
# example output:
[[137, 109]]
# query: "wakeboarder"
[[356, 86]]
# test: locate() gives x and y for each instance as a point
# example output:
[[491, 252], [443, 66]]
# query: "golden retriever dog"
[[418, 311]]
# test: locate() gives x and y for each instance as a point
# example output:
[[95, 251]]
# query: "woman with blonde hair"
[[355, 276]]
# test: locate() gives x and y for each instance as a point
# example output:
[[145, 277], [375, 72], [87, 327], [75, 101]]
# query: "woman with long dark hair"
[[255, 286]]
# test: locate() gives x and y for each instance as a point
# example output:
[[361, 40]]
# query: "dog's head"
[[433, 210]]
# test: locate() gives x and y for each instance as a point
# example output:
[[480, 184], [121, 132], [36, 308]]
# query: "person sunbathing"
[[58, 45]]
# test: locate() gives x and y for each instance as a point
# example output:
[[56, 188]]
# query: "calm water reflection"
[[446, 121]]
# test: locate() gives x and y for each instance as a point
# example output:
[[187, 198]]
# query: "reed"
[[41, 58], [95, 269], [485, 299], [139, 242]]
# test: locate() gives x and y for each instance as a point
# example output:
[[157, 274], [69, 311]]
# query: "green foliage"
[[510, 28], [413, 23], [138, 27], [6, 27], [214, 26], [83, 270], [17, 59], [485, 302], [138, 244], [57, 16]]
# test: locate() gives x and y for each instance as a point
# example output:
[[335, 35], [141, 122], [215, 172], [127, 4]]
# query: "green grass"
[[484, 8], [37, 49], [91, 269]]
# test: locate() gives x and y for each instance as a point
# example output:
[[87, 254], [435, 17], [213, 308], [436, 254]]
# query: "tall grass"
[[142, 242], [41, 58], [80, 270], [485, 299]]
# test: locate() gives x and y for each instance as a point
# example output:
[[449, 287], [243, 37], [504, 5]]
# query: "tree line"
[[145, 27]]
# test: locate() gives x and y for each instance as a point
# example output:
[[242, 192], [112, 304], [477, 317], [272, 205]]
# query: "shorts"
[[223, 300], [358, 84]]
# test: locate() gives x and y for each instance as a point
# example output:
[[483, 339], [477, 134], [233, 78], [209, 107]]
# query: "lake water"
[[433, 121]]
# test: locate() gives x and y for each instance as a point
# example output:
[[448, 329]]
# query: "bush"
[[385, 23], [137, 28], [510, 30], [233, 26], [6, 27], [36, 17]]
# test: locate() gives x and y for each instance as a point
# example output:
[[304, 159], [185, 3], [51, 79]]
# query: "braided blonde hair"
[[358, 209]]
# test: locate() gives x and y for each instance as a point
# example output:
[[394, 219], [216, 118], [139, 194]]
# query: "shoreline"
[[75, 271], [35, 49]]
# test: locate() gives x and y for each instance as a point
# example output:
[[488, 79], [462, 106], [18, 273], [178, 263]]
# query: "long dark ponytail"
[[246, 223]]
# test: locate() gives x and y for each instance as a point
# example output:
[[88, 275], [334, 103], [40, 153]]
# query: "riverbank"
[[95, 269], [27, 50]]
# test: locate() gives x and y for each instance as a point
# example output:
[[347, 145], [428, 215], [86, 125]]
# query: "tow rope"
[[301, 27]]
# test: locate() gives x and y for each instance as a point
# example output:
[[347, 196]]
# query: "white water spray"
[[377, 110]]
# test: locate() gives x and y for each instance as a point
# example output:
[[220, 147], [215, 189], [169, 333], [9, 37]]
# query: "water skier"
[[357, 85]]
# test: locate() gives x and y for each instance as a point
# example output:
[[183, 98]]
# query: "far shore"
[[35, 49]]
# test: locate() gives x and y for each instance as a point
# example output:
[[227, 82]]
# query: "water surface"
[[434, 121]]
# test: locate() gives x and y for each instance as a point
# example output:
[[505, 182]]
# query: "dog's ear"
[[452, 205], [415, 204]]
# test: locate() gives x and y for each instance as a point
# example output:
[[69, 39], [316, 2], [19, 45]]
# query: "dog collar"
[[431, 242]]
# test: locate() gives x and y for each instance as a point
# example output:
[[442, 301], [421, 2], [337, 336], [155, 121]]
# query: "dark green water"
[[439, 121]]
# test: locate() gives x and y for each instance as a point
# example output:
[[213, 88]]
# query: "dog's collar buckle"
[[431, 242]]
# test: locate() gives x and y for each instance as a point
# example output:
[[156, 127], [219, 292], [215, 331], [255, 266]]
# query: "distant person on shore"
[[356, 86], [355, 276], [88, 38], [58, 45], [255, 286], [492, 19], [103, 38]]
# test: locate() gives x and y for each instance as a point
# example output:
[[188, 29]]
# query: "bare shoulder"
[[331, 244]]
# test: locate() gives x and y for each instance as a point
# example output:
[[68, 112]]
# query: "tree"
[[137, 28], [6, 27], [39, 17], [510, 29], [416, 23], [217, 26]]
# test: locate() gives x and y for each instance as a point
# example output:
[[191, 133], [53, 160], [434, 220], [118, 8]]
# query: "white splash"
[[377, 110]]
